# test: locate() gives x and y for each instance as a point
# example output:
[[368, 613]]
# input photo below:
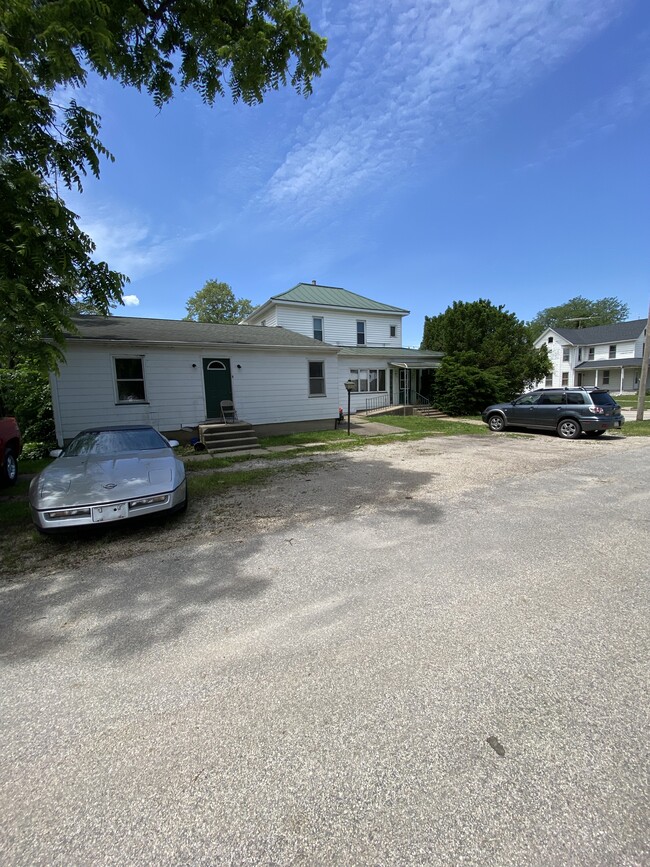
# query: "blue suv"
[[568, 411]]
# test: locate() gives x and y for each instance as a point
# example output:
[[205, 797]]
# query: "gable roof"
[[140, 330], [333, 296], [603, 333]]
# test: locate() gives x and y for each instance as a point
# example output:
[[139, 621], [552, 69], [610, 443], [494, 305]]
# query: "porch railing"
[[381, 401]]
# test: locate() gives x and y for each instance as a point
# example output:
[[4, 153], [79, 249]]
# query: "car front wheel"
[[9, 469], [569, 429], [496, 423]]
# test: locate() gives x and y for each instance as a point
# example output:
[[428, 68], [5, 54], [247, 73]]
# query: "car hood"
[[90, 479]]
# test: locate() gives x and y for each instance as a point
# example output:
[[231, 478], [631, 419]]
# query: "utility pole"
[[643, 379]]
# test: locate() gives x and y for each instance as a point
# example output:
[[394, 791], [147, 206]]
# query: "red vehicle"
[[10, 446]]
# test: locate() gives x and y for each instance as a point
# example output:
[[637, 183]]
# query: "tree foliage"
[[489, 356], [580, 312], [25, 391], [50, 143], [216, 302]]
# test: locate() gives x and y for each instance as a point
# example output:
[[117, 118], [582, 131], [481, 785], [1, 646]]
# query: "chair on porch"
[[228, 412]]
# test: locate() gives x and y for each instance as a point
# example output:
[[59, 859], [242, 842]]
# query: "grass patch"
[[421, 424], [14, 512], [631, 401], [25, 466], [203, 485], [305, 437], [636, 428]]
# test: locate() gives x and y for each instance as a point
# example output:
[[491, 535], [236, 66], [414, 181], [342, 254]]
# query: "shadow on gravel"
[[121, 599]]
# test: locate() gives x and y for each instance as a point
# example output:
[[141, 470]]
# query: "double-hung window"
[[591, 353], [317, 379], [129, 380], [372, 380], [318, 327], [361, 333], [565, 353], [612, 351], [605, 377]]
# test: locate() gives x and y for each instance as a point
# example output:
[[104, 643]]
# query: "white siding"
[[340, 327], [268, 387]]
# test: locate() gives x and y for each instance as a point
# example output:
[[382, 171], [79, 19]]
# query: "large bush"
[[26, 394]]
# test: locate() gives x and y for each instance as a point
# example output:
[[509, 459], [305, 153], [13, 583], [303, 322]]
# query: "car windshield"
[[113, 442], [602, 398]]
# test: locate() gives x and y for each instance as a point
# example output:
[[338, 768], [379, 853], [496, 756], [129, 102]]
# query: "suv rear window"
[[602, 398]]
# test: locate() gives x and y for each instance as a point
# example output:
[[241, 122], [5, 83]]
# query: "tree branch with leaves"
[[48, 145]]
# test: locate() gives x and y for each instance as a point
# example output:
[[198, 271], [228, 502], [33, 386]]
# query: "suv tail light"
[[597, 409]]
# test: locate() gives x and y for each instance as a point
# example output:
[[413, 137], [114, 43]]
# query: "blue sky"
[[454, 150]]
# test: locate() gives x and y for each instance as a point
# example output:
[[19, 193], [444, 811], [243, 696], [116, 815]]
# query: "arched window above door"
[[216, 365]]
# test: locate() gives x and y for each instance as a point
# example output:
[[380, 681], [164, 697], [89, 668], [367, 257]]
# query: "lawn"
[[630, 401]]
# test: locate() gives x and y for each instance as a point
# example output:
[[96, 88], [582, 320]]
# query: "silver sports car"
[[108, 474]]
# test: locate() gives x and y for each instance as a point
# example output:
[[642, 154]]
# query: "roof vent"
[[314, 283]]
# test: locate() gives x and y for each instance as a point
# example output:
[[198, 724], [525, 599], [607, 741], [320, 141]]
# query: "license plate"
[[110, 513], [617, 424]]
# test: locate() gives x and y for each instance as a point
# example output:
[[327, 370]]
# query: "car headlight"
[[148, 501], [67, 513]]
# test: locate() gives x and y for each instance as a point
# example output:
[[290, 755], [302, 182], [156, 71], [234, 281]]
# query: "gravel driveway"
[[431, 652]]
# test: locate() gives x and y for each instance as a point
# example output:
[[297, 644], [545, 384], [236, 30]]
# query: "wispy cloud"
[[600, 117], [405, 77], [134, 244]]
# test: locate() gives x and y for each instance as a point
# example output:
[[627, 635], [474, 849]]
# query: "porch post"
[[622, 378]]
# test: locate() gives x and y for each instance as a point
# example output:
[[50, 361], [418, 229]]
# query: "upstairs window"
[[393, 331], [361, 333], [565, 353], [612, 351], [550, 340], [318, 327], [591, 353], [129, 379]]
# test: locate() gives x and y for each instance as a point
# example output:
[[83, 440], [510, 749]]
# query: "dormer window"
[[361, 333]]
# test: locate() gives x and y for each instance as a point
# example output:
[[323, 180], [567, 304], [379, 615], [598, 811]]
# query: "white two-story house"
[[607, 356], [368, 335], [284, 369]]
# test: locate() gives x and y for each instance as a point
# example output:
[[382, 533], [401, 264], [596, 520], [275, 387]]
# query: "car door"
[[520, 414], [548, 410]]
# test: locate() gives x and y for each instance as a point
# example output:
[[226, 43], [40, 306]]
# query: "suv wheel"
[[496, 423], [9, 469], [569, 429]]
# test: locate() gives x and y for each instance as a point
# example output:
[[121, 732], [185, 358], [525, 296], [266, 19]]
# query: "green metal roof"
[[333, 296], [391, 352]]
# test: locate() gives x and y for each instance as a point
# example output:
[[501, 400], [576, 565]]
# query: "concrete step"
[[238, 436]]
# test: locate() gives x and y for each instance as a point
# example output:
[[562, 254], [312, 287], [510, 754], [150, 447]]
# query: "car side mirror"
[[54, 453], [173, 443]]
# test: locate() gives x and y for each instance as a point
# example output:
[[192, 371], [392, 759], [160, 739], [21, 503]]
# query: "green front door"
[[218, 385]]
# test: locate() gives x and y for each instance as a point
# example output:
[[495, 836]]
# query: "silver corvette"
[[108, 474]]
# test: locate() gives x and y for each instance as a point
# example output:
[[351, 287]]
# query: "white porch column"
[[596, 379], [622, 378]]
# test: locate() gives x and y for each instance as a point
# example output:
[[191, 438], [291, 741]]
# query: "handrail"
[[380, 402], [421, 399]]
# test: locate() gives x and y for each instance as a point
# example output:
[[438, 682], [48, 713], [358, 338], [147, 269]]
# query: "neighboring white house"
[[369, 334], [608, 356], [174, 374]]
